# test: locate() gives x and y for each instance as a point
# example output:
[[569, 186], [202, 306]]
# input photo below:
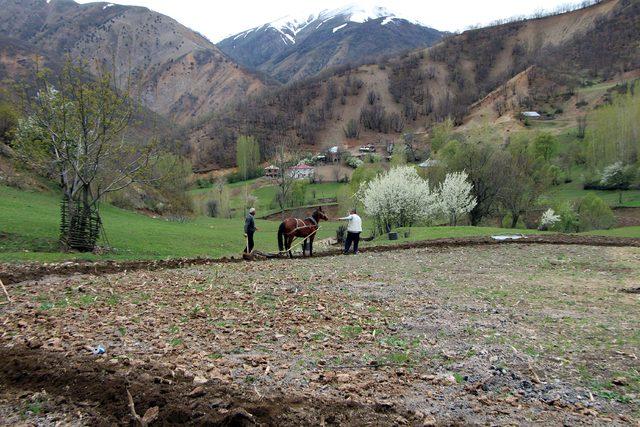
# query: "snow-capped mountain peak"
[[290, 26], [358, 13], [293, 47]]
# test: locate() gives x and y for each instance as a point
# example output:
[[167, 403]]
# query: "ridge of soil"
[[16, 273]]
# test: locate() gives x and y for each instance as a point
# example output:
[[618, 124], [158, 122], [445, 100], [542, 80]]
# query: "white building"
[[302, 171], [271, 171], [428, 163]]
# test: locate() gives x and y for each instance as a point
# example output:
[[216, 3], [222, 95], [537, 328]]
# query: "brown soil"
[[15, 273], [485, 334], [97, 390], [627, 217]]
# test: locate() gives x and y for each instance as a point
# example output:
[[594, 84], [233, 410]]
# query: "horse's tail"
[[281, 236]]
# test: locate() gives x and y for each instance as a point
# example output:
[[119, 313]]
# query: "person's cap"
[[252, 210]]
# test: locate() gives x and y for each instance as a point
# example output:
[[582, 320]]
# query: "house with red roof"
[[301, 171]]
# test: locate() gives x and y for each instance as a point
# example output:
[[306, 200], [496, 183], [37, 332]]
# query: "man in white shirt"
[[354, 228]]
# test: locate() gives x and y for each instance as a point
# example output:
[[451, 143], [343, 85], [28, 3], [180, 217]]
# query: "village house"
[[428, 163], [334, 154], [301, 171], [272, 171], [369, 148]]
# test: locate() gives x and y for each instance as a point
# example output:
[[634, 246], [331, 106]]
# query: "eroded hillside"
[[518, 66], [179, 73]]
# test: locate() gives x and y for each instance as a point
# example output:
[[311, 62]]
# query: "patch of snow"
[[289, 26], [245, 33], [338, 28], [322, 23], [106, 6], [358, 13]]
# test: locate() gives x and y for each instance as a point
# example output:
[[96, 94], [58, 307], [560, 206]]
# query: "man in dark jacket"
[[249, 229]]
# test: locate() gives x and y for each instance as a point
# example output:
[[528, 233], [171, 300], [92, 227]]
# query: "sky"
[[219, 19]]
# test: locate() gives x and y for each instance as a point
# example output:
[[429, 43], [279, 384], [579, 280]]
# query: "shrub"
[[373, 158], [204, 183], [375, 118], [238, 177], [594, 214], [340, 232], [548, 220], [352, 129], [212, 208], [372, 97], [568, 222], [298, 192], [252, 201], [354, 162]]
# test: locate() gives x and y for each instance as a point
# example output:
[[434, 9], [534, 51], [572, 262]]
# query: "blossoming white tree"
[[548, 219], [454, 196], [399, 197]]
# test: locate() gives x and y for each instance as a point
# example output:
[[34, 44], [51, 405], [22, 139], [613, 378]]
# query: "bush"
[[298, 192], [372, 97], [352, 129], [238, 177], [375, 118], [203, 183], [594, 214], [372, 158], [212, 208], [251, 201], [568, 222], [548, 220], [340, 233], [354, 162]]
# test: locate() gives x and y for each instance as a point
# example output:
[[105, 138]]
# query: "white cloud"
[[217, 20]]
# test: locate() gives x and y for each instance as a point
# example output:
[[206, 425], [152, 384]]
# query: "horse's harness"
[[304, 225]]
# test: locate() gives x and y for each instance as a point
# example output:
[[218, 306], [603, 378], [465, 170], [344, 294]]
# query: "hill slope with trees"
[[411, 92], [180, 73]]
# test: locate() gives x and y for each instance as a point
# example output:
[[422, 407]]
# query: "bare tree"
[[582, 126], [78, 126], [284, 181]]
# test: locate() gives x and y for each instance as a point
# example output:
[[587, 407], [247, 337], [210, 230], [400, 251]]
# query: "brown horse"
[[306, 228]]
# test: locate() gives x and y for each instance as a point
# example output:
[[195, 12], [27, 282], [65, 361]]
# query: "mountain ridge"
[[293, 48], [412, 91], [180, 73]]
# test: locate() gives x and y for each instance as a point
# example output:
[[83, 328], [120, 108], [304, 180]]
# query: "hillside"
[[179, 73], [295, 48], [528, 63]]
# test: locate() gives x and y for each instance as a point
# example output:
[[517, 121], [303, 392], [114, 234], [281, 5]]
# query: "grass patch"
[[573, 191], [30, 218], [29, 223]]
